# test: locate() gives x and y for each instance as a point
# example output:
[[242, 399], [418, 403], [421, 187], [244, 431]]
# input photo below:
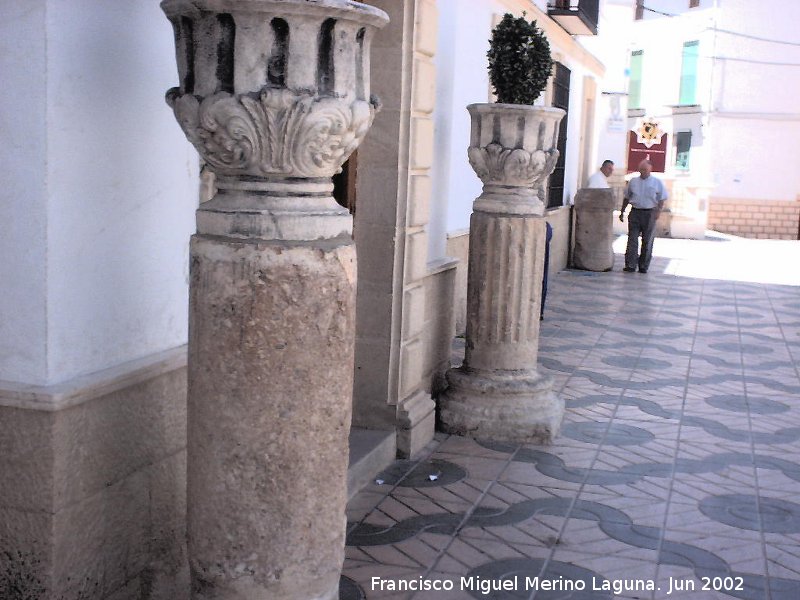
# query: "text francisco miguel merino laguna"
[[485, 585]]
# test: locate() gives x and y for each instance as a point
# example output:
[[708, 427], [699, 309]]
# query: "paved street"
[[678, 463]]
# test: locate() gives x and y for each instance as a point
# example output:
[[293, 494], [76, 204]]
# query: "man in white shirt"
[[598, 180], [646, 195]]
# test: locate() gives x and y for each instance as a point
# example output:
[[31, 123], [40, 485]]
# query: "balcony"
[[577, 17]]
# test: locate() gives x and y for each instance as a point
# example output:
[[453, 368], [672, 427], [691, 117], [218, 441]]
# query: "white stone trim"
[[88, 387]]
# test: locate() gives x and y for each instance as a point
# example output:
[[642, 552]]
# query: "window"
[[561, 85], [635, 86], [689, 73], [683, 146]]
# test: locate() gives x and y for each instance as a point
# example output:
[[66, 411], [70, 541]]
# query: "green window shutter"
[[635, 85], [689, 73]]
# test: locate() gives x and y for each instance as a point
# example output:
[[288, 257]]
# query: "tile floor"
[[678, 463]]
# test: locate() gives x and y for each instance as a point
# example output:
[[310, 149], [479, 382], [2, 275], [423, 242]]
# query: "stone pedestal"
[[275, 96], [498, 393], [594, 229]]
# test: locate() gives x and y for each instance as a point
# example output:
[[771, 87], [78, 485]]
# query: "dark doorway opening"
[[344, 184]]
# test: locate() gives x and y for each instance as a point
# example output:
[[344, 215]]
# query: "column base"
[[511, 406]]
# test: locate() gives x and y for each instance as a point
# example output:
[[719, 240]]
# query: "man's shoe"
[[629, 270], [642, 270]]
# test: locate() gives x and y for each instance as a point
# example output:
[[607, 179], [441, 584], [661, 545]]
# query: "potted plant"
[[519, 60], [513, 143]]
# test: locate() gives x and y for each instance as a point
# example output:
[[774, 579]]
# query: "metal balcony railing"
[[577, 17]]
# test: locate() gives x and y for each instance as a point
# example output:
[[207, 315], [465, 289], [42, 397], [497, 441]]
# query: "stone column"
[[594, 229], [275, 96], [498, 393]]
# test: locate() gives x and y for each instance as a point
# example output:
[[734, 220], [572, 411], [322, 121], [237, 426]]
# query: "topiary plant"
[[519, 60]]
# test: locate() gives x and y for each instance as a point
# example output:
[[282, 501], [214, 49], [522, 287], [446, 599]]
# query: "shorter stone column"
[[594, 229], [498, 393]]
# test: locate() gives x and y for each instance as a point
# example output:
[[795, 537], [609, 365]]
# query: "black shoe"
[[642, 270], [629, 270]]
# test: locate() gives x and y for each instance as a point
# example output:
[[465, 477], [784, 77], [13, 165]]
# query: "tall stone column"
[[275, 96], [498, 393]]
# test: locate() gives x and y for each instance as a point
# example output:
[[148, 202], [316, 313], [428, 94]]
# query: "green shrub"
[[519, 60]]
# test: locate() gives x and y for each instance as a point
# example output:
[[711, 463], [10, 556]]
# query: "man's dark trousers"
[[641, 222]]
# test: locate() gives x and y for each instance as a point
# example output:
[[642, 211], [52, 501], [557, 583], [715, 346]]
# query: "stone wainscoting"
[[439, 322], [93, 485], [768, 219]]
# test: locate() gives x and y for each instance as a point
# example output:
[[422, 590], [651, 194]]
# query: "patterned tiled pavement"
[[678, 464]]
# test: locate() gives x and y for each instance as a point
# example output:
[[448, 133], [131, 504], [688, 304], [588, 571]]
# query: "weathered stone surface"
[[91, 494], [416, 417], [270, 387], [504, 291], [516, 406], [594, 229]]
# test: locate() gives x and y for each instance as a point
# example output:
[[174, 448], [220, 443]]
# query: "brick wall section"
[[769, 219]]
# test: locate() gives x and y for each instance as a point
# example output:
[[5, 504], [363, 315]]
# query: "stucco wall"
[[23, 207], [100, 206]]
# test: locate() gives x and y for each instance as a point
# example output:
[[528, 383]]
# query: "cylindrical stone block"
[[270, 386], [504, 291], [594, 230]]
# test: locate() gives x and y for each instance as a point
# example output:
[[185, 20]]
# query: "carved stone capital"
[[275, 132], [515, 167], [513, 152], [275, 96]]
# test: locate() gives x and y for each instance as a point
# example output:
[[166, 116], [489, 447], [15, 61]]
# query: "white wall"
[[756, 118], [23, 221], [120, 187], [462, 79], [662, 42]]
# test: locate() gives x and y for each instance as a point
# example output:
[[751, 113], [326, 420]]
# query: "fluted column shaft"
[[504, 291]]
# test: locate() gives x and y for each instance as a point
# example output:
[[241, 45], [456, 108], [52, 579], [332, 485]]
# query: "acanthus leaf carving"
[[517, 167], [273, 132]]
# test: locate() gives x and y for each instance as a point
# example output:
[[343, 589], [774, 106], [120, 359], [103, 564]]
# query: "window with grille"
[[561, 84]]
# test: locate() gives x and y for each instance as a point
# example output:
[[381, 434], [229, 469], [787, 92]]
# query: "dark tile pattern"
[[752, 512], [678, 458]]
